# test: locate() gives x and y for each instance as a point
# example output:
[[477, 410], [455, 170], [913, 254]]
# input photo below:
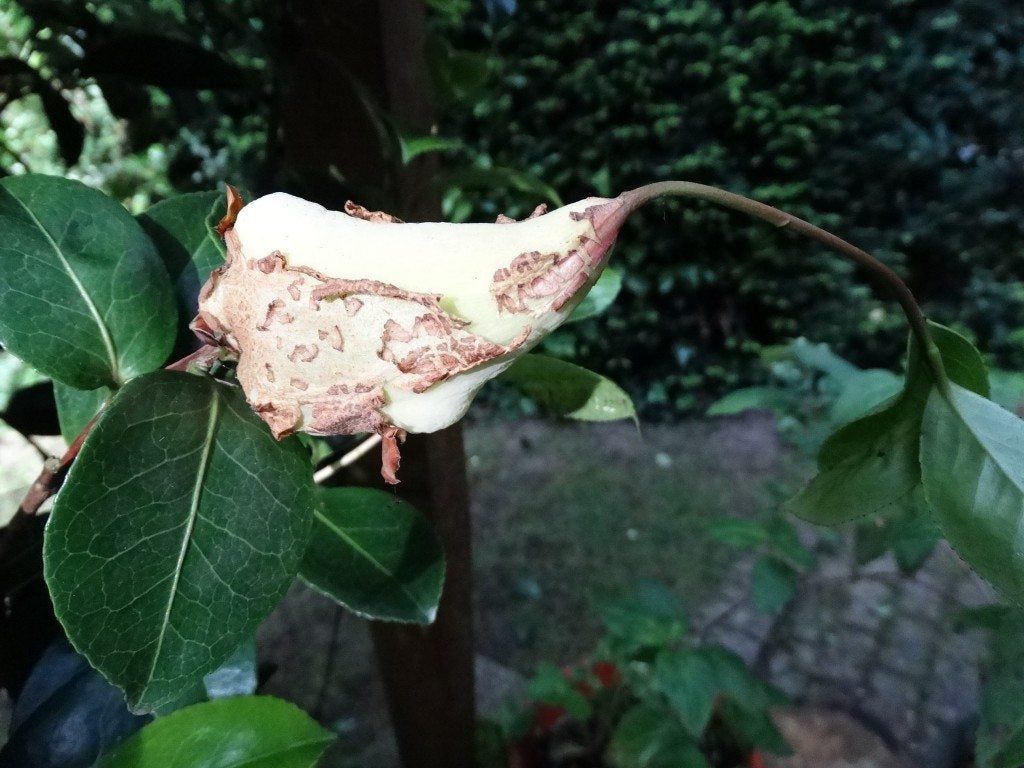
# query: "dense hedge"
[[896, 122]]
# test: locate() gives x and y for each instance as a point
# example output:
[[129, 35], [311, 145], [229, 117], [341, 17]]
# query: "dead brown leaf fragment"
[[378, 217], [235, 203]]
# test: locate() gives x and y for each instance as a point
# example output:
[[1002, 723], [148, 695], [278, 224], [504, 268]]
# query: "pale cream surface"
[[456, 261], [312, 247]]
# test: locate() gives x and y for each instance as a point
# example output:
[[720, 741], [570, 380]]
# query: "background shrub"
[[896, 123]]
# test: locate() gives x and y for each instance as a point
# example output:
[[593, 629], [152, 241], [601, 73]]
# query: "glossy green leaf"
[[239, 732], [738, 532], [964, 364], [84, 297], [752, 728], [76, 407], [189, 248], [414, 146], [910, 533], [774, 399], [376, 555], [866, 467], [179, 527], [972, 461], [651, 617], [647, 737], [601, 296], [689, 681], [569, 390], [862, 394], [1000, 737], [871, 465], [772, 584]]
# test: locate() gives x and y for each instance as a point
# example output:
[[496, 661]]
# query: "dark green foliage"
[[76, 407], [895, 123], [783, 558], [647, 738], [652, 695], [180, 526], [190, 81], [973, 471], [871, 465], [569, 390], [239, 732], [83, 295], [182, 231], [18, 79], [376, 555], [1000, 736], [909, 530]]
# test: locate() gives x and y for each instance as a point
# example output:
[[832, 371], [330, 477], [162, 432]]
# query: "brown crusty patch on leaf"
[[437, 347], [345, 410], [535, 276], [540, 210], [344, 289], [305, 352], [318, 353], [536, 282], [378, 217], [332, 337]]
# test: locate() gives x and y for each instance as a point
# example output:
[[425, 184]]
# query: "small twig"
[[55, 470], [326, 473], [880, 271], [205, 355], [31, 440]]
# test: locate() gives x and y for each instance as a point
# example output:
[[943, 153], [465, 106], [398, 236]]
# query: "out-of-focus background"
[[898, 124]]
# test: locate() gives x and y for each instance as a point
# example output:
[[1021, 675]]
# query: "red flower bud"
[[607, 673]]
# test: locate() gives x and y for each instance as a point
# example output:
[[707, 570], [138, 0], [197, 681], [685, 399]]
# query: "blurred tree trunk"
[[332, 147]]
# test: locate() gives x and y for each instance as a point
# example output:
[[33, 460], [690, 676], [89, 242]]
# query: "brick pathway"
[[871, 642]]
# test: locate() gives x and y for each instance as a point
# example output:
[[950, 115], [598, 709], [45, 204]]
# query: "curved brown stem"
[[54, 471], [918, 324]]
